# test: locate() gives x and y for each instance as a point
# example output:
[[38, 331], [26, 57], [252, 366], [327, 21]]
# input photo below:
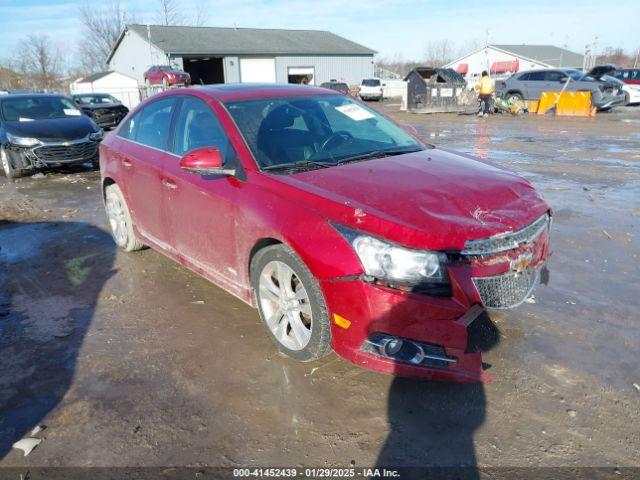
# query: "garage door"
[[258, 70]]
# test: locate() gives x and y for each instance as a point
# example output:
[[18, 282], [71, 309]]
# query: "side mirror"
[[205, 161]]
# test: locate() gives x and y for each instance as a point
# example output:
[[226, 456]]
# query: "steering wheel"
[[344, 135]]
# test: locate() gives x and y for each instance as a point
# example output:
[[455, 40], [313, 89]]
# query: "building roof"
[[247, 41], [94, 77], [553, 56]]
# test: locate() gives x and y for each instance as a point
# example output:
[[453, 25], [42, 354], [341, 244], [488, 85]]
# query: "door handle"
[[126, 163], [169, 184]]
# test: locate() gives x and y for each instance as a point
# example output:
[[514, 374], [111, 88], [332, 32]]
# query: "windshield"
[[26, 109], [165, 68], [325, 129], [91, 99], [371, 83]]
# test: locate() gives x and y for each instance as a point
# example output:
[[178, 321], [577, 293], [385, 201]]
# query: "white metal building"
[[123, 87], [507, 59], [230, 55]]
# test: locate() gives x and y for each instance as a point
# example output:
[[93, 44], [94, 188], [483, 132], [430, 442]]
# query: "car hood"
[[435, 199], [58, 129]]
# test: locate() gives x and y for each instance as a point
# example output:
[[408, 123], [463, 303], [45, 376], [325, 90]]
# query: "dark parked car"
[[166, 75], [530, 85], [337, 86], [104, 109], [44, 130], [343, 229]]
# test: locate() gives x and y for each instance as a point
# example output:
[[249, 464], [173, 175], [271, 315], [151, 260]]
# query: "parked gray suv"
[[529, 85]]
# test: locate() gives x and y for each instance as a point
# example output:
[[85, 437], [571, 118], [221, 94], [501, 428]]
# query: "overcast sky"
[[392, 27]]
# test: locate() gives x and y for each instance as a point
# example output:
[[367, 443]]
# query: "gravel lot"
[[132, 360]]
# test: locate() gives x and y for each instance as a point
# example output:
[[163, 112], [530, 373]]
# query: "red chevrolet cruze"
[[345, 230]]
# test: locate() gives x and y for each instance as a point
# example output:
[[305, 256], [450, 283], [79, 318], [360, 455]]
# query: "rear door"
[[143, 156], [201, 208], [535, 85]]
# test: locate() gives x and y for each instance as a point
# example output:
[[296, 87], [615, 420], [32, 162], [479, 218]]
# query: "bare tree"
[[169, 13], [101, 29], [201, 15], [40, 61], [438, 53]]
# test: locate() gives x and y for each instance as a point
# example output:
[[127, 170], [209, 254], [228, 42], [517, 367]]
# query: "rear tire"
[[291, 304], [120, 220], [9, 170]]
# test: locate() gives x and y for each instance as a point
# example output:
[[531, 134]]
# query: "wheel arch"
[[106, 181], [259, 245]]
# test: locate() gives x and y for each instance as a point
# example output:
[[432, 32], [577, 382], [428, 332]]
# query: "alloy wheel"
[[117, 219], [285, 305]]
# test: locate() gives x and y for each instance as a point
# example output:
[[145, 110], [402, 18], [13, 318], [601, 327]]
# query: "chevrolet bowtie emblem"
[[521, 263]]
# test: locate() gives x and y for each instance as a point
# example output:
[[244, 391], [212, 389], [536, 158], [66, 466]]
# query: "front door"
[[535, 85], [201, 208]]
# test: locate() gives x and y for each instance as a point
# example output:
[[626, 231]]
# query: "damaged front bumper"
[[49, 154], [416, 335]]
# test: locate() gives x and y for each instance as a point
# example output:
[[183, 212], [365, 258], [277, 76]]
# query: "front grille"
[[507, 241], [508, 290], [66, 153]]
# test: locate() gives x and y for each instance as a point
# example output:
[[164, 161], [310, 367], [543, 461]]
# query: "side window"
[[128, 129], [155, 120], [524, 77], [554, 76], [197, 126], [536, 76]]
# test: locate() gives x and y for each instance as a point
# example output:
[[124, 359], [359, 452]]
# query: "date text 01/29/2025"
[[314, 473]]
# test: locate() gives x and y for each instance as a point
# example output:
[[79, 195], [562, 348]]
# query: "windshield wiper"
[[376, 154], [297, 165]]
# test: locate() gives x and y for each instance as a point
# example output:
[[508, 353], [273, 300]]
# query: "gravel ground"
[[132, 360]]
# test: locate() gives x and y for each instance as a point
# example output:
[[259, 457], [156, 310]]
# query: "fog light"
[[392, 347]]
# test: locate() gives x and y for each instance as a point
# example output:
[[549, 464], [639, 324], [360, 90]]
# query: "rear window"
[[371, 82], [155, 120], [536, 76]]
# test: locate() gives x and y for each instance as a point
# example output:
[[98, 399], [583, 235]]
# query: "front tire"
[[291, 304], [627, 99], [9, 170], [120, 220]]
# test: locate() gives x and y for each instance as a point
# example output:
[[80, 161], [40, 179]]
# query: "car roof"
[[232, 92]]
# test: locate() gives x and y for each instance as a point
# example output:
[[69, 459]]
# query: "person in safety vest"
[[485, 88]]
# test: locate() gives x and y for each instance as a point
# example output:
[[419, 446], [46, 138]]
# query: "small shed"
[[121, 86], [431, 90]]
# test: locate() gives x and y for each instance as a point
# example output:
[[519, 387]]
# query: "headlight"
[[96, 136], [394, 264], [22, 141]]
